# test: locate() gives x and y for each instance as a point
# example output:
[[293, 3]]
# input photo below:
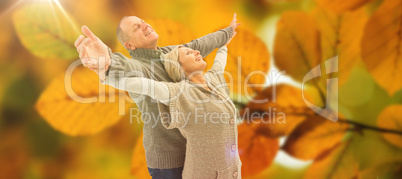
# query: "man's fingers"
[[81, 48], [79, 40], [82, 52], [85, 42], [88, 33]]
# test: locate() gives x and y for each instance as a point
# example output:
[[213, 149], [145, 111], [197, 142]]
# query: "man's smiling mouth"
[[148, 33]]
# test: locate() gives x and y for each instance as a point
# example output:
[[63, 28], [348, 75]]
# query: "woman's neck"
[[199, 79]]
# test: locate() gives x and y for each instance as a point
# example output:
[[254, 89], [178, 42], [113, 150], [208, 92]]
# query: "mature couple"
[[168, 81]]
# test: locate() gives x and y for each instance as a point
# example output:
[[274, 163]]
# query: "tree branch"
[[364, 126]]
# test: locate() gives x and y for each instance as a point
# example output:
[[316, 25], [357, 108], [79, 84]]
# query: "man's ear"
[[129, 46]]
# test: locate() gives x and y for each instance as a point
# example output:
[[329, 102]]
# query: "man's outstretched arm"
[[209, 42], [95, 55]]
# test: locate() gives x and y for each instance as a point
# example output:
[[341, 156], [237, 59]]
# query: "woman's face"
[[191, 60]]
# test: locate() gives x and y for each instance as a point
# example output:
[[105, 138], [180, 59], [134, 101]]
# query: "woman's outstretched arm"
[[220, 59], [144, 86]]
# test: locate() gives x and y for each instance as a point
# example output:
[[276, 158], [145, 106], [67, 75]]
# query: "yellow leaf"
[[247, 63], [296, 46], [256, 149], [341, 36], [382, 45], [342, 5], [60, 105], [391, 118], [46, 31], [139, 164]]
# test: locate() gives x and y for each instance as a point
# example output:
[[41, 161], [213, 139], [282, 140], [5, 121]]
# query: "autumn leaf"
[[381, 45], [391, 118], [256, 149], [170, 33], [139, 164], [46, 31], [337, 163], [296, 46], [58, 104], [313, 137], [281, 106], [340, 35], [247, 63], [341, 5]]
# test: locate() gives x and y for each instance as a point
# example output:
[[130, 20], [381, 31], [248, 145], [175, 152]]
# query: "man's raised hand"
[[93, 53]]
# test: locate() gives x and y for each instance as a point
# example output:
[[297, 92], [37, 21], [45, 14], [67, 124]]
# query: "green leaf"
[[46, 30]]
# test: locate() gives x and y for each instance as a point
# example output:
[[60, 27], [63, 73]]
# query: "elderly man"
[[164, 148]]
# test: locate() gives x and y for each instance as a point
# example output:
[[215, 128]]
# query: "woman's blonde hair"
[[173, 66]]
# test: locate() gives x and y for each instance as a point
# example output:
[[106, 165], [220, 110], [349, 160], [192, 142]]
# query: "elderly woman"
[[199, 106]]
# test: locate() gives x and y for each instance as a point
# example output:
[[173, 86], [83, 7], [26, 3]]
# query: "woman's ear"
[[129, 46]]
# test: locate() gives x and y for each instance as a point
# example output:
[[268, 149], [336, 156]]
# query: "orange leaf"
[[285, 102], [256, 149], [296, 46], [59, 106], [314, 137], [247, 63], [382, 45], [338, 163], [139, 164], [391, 118], [341, 5]]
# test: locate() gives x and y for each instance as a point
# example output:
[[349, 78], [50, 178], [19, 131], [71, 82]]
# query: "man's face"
[[141, 34]]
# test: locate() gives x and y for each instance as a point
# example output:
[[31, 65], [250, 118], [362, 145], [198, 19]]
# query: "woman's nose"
[[196, 52]]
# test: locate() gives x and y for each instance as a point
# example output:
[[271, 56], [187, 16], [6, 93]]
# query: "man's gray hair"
[[121, 35]]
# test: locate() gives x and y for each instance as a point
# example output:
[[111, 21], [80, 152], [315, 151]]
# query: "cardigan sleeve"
[[220, 60], [144, 86], [217, 70]]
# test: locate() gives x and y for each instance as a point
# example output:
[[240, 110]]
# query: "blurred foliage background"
[[44, 133]]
